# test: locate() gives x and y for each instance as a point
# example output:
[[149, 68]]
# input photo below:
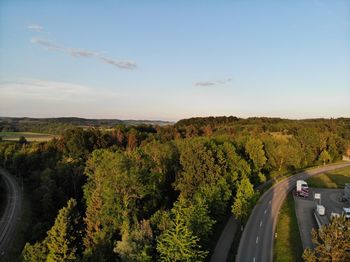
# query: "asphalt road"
[[225, 241], [257, 240], [12, 209]]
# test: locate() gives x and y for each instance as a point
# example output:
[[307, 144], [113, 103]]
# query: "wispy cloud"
[[43, 98], [47, 44], [80, 53], [35, 28], [120, 64], [47, 90], [213, 83]]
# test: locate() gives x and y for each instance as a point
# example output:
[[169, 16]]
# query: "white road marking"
[[253, 259], [260, 223], [257, 239], [270, 202], [265, 211]]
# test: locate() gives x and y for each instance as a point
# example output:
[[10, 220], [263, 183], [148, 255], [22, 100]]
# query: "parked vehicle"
[[346, 212], [347, 191], [321, 210], [334, 215], [302, 189]]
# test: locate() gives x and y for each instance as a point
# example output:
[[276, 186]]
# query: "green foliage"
[[179, 244], [262, 178], [283, 155], [331, 242], [137, 178], [195, 215], [198, 167], [111, 192], [136, 244], [62, 241], [325, 157], [255, 150], [35, 253], [244, 200]]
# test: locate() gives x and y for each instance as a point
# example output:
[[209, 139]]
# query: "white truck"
[[346, 212], [320, 216], [302, 189], [320, 210]]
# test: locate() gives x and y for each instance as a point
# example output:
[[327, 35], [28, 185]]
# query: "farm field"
[[29, 136]]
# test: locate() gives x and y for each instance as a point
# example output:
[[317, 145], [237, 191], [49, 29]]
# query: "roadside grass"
[[331, 179], [30, 136], [287, 246], [15, 251]]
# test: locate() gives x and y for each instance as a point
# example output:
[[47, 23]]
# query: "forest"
[[157, 193]]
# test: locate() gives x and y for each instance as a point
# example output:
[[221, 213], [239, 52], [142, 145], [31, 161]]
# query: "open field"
[[332, 179], [288, 246], [31, 137]]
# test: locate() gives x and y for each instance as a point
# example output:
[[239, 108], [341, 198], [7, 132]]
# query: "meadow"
[[29, 136]]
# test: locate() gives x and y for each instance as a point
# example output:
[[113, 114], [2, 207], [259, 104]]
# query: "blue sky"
[[175, 59]]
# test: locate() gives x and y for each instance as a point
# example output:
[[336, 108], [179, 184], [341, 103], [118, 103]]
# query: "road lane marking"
[[265, 211], [270, 202], [253, 259], [257, 240], [260, 223]]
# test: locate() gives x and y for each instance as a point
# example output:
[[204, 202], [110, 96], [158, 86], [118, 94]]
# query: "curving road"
[[11, 214], [257, 240]]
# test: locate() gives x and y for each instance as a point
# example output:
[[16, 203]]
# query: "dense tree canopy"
[[146, 193]]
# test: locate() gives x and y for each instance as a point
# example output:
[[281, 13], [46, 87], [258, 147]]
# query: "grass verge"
[[331, 179], [287, 246]]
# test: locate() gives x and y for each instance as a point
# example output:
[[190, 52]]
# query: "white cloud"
[[120, 64], [80, 53], [213, 83], [35, 27], [47, 44], [47, 90]]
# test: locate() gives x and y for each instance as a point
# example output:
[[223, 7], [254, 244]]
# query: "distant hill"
[[56, 125]]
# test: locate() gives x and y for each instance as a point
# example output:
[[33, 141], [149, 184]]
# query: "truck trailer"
[[302, 189]]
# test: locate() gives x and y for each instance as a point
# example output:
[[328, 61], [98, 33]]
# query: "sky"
[[170, 60]]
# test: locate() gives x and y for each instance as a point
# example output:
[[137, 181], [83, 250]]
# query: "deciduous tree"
[[332, 242]]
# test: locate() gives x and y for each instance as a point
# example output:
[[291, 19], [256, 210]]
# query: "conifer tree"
[[62, 237], [62, 241], [179, 243]]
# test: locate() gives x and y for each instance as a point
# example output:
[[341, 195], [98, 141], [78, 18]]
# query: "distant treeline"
[[60, 124], [151, 193]]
